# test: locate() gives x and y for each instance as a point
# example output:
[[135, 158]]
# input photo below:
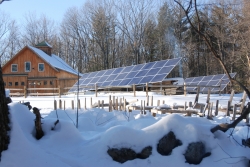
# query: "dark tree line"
[[4, 112]]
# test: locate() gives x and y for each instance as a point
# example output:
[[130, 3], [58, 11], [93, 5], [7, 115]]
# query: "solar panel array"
[[220, 80], [137, 74]]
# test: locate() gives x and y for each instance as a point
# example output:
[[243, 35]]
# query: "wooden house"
[[37, 70]]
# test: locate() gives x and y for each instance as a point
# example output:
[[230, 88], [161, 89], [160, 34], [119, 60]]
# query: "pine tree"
[[4, 118]]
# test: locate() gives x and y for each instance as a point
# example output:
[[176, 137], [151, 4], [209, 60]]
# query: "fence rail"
[[27, 92], [163, 89]]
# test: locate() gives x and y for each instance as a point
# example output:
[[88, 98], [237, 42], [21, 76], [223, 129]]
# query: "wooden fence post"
[[85, 107], [211, 109], [78, 104], [25, 91], [59, 91], [72, 104], [234, 112], [63, 104], [216, 108], [95, 90], [102, 104], [243, 101], [110, 105], [197, 95], [120, 105], [144, 107], [113, 102], [146, 89], [190, 104], [91, 102], [98, 103], [185, 89], [228, 108], [124, 104], [60, 104], [116, 103], [134, 90], [141, 106], [55, 106], [152, 103], [147, 100]]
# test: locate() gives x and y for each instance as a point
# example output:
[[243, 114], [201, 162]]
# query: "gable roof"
[[54, 61]]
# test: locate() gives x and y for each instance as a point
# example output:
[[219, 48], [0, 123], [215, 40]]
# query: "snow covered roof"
[[54, 61]]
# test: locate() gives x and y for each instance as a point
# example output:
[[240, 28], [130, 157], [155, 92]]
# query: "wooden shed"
[[36, 67]]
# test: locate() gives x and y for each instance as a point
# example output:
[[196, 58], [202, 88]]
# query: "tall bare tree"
[[191, 8], [38, 29], [133, 15]]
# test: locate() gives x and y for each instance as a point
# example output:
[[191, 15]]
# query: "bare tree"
[[38, 29], [133, 15], [5, 25], [191, 8]]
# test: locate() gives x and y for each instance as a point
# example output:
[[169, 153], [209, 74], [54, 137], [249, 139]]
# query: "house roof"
[[54, 61], [44, 44]]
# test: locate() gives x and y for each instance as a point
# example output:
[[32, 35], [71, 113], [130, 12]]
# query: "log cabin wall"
[[49, 77]]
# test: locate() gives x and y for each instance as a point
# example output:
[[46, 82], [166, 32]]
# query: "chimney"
[[44, 46]]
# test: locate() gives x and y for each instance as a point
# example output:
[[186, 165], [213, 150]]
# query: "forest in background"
[[106, 34]]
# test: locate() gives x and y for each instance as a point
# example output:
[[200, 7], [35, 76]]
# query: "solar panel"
[[220, 80], [136, 74]]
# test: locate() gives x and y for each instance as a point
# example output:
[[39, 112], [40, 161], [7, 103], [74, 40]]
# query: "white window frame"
[[39, 68], [25, 66], [12, 67]]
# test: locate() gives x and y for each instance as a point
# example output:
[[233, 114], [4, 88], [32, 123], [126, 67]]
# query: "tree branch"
[[246, 110]]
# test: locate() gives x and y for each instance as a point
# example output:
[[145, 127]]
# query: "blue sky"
[[53, 9]]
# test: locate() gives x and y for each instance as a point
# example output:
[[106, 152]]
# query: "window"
[[10, 83], [16, 83], [45, 83], [41, 67], [13, 67], [51, 82], [27, 66], [22, 84]]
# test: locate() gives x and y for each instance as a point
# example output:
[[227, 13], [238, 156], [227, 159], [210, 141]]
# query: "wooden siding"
[[27, 55], [49, 78]]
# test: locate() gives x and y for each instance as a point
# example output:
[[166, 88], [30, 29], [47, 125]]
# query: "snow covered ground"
[[98, 130]]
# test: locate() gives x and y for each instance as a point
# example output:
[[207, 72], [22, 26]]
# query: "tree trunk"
[[38, 124]]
